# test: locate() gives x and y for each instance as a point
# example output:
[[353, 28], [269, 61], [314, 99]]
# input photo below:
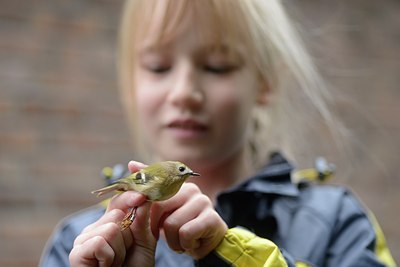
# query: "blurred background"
[[61, 121]]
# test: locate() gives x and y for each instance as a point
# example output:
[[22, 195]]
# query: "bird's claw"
[[128, 219]]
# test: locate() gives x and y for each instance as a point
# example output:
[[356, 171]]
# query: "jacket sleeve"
[[57, 249], [357, 240], [243, 248], [381, 249], [59, 245]]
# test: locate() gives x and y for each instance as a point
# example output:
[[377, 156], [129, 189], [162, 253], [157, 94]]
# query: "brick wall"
[[60, 119]]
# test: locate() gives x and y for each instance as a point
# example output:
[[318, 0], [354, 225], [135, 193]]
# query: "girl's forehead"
[[162, 25]]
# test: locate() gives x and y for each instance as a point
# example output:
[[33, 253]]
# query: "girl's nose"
[[186, 89]]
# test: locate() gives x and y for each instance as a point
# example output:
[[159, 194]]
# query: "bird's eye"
[[182, 169]]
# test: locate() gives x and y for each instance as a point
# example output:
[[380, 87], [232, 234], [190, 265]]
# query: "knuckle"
[[211, 213], [114, 214], [99, 241], [74, 256], [213, 221], [202, 201], [185, 234], [87, 228], [191, 188], [78, 240], [99, 244], [171, 224], [110, 231], [111, 228]]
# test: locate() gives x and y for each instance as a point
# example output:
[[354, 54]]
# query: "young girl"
[[207, 82]]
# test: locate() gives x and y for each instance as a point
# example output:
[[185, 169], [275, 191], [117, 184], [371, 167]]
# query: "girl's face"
[[193, 98]]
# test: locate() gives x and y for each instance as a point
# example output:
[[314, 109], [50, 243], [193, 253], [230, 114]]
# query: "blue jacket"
[[312, 225]]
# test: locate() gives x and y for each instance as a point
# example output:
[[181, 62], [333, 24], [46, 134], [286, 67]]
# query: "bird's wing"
[[142, 178]]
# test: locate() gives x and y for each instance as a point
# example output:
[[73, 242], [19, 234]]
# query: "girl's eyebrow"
[[226, 49], [232, 52], [219, 47], [150, 49], [204, 49]]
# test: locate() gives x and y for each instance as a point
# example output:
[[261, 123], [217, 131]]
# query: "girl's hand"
[[189, 222], [104, 244]]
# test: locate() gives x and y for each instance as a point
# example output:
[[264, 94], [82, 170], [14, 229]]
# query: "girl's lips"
[[187, 124], [187, 128]]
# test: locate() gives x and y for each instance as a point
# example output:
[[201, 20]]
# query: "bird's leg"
[[128, 219]]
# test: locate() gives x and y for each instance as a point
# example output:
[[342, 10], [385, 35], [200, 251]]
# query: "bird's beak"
[[195, 174]]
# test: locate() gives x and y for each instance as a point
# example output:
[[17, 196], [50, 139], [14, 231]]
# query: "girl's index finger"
[[126, 200], [135, 166]]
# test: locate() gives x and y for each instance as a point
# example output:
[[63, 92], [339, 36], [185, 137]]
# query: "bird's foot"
[[128, 219]]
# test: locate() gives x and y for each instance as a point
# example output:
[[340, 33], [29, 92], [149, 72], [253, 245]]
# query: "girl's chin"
[[188, 156]]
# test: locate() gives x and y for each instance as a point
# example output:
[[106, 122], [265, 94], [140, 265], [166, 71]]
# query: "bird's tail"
[[118, 186]]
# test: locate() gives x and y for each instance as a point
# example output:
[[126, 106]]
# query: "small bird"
[[158, 181]]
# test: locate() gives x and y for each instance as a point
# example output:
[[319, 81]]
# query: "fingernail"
[[136, 164]]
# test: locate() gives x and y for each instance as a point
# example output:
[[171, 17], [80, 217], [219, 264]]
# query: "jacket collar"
[[249, 204], [274, 178]]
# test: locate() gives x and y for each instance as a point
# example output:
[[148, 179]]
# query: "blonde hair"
[[273, 45]]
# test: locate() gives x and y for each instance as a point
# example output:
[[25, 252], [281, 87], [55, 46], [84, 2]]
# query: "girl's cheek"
[[146, 110], [148, 101]]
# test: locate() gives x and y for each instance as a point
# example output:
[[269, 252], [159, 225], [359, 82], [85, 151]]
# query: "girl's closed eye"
[[159, 68], [155, 63], [220, 68], [221, 63]]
